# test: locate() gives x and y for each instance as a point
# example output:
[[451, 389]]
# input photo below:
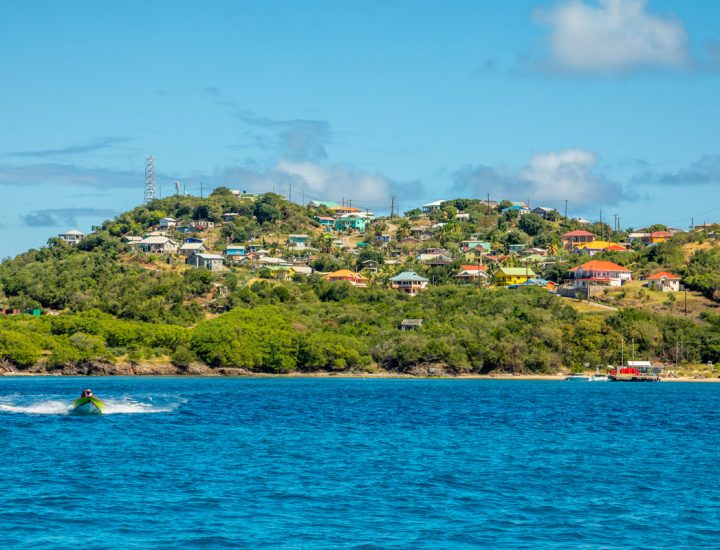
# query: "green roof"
[[517, 271]]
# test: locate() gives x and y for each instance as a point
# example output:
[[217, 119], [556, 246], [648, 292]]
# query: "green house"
[[350, 222]]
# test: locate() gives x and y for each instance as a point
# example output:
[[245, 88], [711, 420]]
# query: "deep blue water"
[[318, 463]]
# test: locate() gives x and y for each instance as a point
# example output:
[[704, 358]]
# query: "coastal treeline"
[[335, 327]]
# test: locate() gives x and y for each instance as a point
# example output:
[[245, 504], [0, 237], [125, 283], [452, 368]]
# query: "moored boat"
[[578, 378]]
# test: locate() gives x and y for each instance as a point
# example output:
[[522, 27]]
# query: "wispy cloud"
[[704, 171], [296, 139], [57, 217], [67, 175], [612, 36], [555, 176], [88, 147]]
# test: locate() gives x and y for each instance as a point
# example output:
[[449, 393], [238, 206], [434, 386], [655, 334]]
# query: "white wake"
[[112, 406]]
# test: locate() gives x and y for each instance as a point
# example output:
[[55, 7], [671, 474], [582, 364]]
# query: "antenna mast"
[[177, 187], [149, 179]]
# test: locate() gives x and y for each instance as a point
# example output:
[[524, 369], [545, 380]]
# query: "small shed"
[[410, 324]]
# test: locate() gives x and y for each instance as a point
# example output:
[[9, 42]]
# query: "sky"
[[610, 105]]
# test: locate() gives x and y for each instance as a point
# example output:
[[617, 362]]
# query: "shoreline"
[[240, 373]]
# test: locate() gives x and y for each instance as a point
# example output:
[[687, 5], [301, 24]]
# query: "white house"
[[213, 262], [433, 206], [599, 273], [664, 282], [157, 244], [190, 248], [72, 237], [167, 223]]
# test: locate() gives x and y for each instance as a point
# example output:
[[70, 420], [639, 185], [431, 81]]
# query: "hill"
[[131, 298]]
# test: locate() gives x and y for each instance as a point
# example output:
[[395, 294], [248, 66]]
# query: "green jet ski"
[[87, 404]]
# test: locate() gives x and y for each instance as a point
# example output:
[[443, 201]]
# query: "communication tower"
[[177, 187], [149, 179]]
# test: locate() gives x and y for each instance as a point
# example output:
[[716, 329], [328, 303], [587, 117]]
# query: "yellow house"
[[513, 275]]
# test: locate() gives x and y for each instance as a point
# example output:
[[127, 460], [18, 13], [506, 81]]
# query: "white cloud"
[[548, 177], [339, 181], [613, 36], [315, 180]]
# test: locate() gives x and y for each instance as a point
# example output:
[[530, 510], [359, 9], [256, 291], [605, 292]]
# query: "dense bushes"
[[465, 329]]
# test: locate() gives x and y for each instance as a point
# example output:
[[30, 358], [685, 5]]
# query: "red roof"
[[472, 267], [660, 234], [616, 247], [600, 265], [665, 275], [578, 233]]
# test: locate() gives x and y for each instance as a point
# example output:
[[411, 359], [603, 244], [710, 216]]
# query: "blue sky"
[[609, 104]]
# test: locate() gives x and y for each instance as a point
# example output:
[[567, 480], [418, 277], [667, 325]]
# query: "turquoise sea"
[[359, 463]]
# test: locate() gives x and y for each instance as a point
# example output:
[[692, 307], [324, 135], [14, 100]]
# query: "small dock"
[[634, 378], [635, 371]]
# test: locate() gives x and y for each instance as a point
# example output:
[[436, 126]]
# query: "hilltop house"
[[230, 216], [664, 282], [519, 208], [351, 277], [597, 272], [409, 282], [213, 262], [167, 223], [325, 204], [484, 246], [344, 210], [72, 237], [660, 236], [345, 223], [298, 241], [325, 221], [471, 274], [190, 248], [203, 224], [235, 251], [594, 247], [513, 275], [433, 206], [158, 245], [543, 211], [578, 236]]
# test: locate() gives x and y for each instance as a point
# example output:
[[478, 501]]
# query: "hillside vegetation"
[[106, 303]]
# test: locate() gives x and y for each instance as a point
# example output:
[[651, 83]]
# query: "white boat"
[[578, 378], [599, 378]]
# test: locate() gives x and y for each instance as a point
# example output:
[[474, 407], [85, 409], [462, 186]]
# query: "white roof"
[[157, 239], [435, 203], [73, 232], [191, 246], [169, 219], [209, 256]]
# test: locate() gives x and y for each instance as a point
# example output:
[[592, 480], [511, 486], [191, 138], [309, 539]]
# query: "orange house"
[[351, 277]]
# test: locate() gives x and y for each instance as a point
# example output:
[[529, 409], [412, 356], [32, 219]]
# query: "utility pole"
[[488, 199], [303, 195], [692, 224], [290, 192], [566, 209], [392, 206], [201, 189]]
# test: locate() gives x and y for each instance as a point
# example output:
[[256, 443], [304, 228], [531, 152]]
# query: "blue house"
[[298, 240], [235, 250], [350, 222]]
